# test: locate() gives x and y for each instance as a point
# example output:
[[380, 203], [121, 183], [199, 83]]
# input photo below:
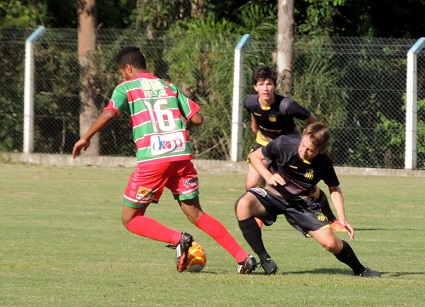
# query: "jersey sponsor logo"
[[161, 144], [259, 191], [309, 174], [271, 130], [145, 194], [272, 118]]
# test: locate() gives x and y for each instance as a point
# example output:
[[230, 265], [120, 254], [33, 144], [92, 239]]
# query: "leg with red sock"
[[150, 228], [221, 235]]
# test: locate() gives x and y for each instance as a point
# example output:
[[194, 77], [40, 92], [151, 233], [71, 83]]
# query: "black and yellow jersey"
[[276, 120], [301, 176]]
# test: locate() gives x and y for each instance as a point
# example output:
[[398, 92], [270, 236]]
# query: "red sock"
[[219, 233], [150, 228]]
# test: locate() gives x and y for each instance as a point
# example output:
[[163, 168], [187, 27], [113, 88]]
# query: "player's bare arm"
[[338, 203], [312, 119], [256, 159], [196, 120], [254, 125], [101, 122]]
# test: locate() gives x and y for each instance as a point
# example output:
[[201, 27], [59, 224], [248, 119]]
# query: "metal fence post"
[[236, 146], [29, 90], [410, 160]]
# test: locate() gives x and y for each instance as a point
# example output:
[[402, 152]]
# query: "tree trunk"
[[87, 43], [284, 44]]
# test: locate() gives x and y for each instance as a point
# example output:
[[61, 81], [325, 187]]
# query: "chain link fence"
[[356, 85]]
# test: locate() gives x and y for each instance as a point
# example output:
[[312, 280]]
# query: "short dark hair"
[[264, 73], [130, 55]]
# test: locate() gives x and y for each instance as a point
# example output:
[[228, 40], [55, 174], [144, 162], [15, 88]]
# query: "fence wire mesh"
[[356, 85]]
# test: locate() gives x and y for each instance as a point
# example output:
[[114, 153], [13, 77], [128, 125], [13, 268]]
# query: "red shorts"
[[147, 183]]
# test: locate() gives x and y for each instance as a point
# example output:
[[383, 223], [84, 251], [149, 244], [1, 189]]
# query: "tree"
[[284, 43], [86, 44]]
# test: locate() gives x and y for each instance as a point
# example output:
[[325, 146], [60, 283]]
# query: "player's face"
[[265, 89], [126, 72], [306, 150], [123, 73]]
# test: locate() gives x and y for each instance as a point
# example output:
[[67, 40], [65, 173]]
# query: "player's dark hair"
[[264, 73], [319, 135], [130, 55]]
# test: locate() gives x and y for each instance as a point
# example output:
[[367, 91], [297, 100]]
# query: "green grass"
[[62, 244]]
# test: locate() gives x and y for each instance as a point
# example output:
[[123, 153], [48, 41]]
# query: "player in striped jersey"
[[156, 109]]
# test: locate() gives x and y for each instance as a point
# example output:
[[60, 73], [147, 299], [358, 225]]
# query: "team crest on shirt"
[[309, 174], [151, 84], [272, 118], [145, 194]]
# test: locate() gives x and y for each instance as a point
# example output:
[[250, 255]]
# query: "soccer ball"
[[197, 258]]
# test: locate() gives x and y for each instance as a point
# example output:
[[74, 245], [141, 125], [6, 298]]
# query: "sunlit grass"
[[62, 244]]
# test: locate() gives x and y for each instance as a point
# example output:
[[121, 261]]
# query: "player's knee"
[[333, 245], [242, 205]]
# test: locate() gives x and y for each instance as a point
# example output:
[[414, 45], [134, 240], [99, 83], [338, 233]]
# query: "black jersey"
[[301, 176], [279, 119]]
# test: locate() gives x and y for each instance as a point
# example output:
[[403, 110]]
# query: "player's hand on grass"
[[81, 144]]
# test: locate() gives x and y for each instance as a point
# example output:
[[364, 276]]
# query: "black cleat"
[[369, 273], [182, 249], [269, 266], [247, 266]]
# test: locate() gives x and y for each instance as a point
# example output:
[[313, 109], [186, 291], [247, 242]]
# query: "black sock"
[[347, 256], [325, 207], [252, 234]]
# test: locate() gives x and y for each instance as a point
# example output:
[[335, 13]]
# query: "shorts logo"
[[191, 182], [259, 191], [145, 194], [309, 174], [321, 217]]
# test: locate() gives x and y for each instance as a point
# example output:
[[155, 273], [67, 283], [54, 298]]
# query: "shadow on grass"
[[330, 271], [384, 228], [327, 271]]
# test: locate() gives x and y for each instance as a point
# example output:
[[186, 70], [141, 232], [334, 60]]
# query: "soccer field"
[[62, 244]]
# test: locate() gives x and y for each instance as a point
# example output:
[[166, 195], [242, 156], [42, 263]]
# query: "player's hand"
[[350, 229], [81, 144], [275, 179]]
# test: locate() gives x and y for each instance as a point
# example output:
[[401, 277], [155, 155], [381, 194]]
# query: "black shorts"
[[302, 214]]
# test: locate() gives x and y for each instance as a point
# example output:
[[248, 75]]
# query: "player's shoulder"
[[284, 102], [251, 100], [287, 140]]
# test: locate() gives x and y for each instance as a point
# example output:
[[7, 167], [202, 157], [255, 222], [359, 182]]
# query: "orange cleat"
[[336, 226]]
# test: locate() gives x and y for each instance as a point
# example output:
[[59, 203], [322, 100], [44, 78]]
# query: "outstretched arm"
[[101, 122], [338, 202]]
